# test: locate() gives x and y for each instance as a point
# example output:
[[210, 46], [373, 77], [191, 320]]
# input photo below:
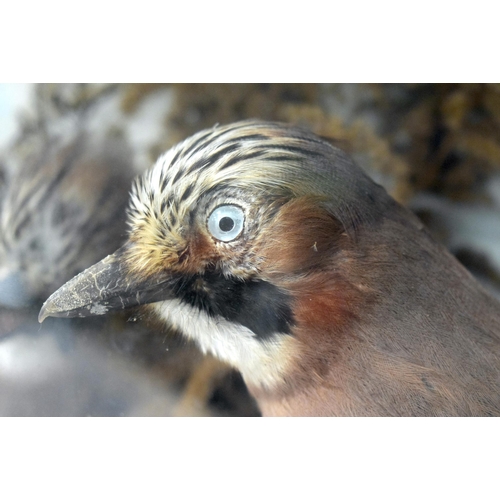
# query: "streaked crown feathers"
[[267, 159]]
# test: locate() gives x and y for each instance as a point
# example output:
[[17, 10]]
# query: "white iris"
[[226, 222]]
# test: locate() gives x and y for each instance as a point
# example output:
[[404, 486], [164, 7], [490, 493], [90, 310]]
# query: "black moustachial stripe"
[[256, 304]]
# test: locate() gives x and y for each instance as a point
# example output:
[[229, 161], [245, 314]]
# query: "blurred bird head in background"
[[273, 251], [62, 209]]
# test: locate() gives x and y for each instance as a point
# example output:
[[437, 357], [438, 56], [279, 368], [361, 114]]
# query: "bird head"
[[63, 210], [240, 237]]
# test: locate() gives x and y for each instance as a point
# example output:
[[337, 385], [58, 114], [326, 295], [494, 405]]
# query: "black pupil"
[[226, 224]]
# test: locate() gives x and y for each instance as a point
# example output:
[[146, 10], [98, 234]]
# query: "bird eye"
[[226, 222]]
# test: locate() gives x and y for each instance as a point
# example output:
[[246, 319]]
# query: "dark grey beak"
[[104, 287]]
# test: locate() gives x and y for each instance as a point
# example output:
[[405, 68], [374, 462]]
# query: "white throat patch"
[[262, 363]]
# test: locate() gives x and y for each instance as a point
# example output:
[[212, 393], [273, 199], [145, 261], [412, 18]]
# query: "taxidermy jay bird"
[[268, 247]]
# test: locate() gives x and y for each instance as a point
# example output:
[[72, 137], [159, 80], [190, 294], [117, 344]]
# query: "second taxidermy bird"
[[273, 251], [63, 209]]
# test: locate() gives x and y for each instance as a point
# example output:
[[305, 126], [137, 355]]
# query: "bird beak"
[[104, 287]]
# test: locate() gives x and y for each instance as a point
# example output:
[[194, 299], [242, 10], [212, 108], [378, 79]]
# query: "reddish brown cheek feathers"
[[301, 236], [307, 254]]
